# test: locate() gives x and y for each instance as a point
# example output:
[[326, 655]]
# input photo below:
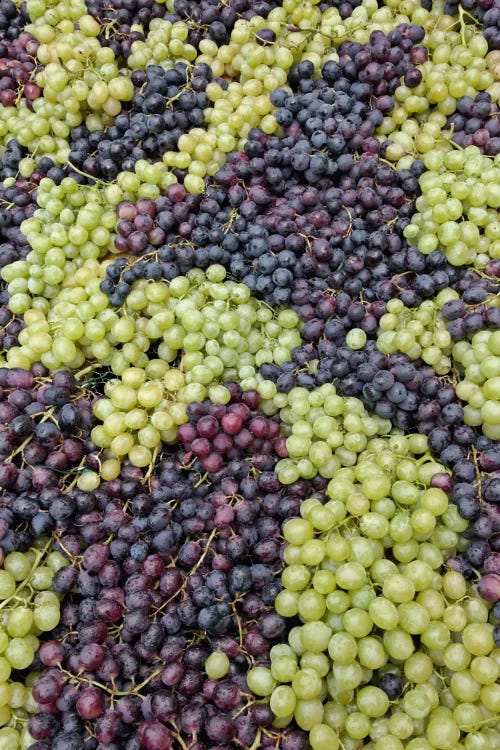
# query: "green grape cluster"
[[45, 129], [51, 12], [16, 706], [457, 212], [364, 573], [28, 608], [419, 333], [141, 410], [456, 67], [56, 329], [81, 83], [78, 72], [325, 431], [165, 44], [479, 387], [74, 223]]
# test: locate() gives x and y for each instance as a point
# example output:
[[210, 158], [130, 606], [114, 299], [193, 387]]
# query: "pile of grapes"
[[249, 375]]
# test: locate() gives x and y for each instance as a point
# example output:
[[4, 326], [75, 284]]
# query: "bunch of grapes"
[[458, 209], [391, 645]]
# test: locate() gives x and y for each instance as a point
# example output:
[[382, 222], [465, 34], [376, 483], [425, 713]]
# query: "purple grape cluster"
[[215, 19], [476, 122], [475, 310], [17, 57], [217, 431], [160, 577], [475, 488], [44, 427], [17, 203], [167, 104], [116, 17]]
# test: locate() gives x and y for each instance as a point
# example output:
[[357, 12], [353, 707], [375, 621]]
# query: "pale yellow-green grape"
[[78, 72], [80, 80], [389, 642], [479, 360], [458, 209], [165, 44]]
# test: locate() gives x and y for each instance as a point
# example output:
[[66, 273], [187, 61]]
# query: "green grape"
[[20, 622], [7, 584], [19, 653], [260, 681], [217, 665]]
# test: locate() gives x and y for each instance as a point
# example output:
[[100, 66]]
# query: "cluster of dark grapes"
[[476, 122], [167, 104], [12, 19], [17, 56], [116, 18], [215, 19], [44, 426], [219, 431], [161, 577], [474, 487], [475, 310], [17, 203]]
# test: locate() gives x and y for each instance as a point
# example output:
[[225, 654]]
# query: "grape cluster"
[[122, 24], [324, 431], [452, 66], [458, 209], [72, 221], [17, 203], [166, 104], [30, 609], [165, 44], [487, 12], [18, 50], [184, 584], [44, 428], [476, 123], [214, 20], [218, 430], [379, 613]]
